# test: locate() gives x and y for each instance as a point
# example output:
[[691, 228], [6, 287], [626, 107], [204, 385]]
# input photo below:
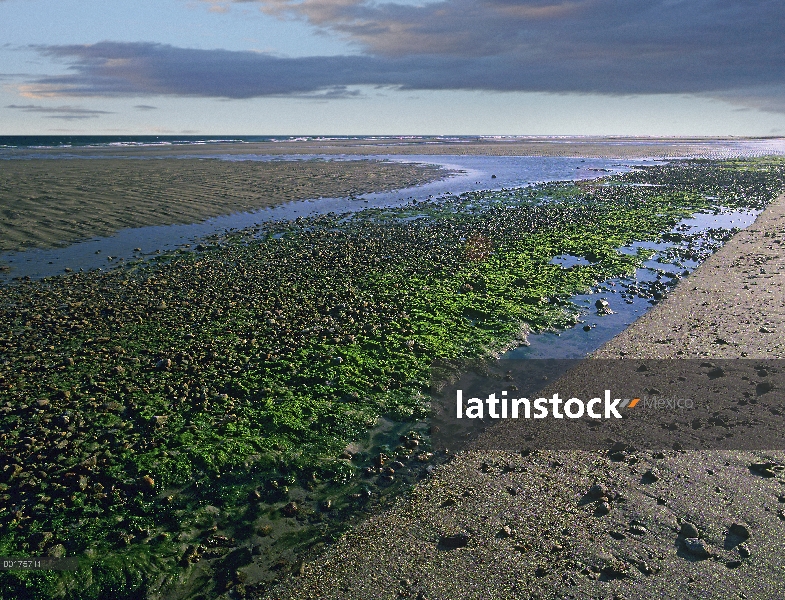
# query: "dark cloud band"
[[729, 49]]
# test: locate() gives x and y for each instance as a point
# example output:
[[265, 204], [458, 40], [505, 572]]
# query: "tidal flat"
[[60, 199], [198, 423]]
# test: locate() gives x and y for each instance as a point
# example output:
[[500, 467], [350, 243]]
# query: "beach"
[[248, 415], [56, 201], [531, 525]]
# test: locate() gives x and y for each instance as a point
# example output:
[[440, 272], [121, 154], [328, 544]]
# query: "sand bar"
[[44, 203]]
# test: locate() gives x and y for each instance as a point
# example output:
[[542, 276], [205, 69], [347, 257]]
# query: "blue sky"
[[559, 67]]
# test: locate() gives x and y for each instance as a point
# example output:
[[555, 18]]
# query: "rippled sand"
[[47, 202]]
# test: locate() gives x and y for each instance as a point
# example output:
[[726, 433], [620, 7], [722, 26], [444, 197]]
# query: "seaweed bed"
[[196, 424]]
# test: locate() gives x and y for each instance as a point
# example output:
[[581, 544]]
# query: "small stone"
[[716, 372], [603, 508], [763, 469], [744, 551], [164, 364], [290, 510], [739, 531], [651, 476], [147, 483], [598, 490], [454, 540], [688, 530], [638, 529], [697, 547], [505, 532]]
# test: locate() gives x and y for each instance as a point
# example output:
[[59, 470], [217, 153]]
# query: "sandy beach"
[[44, 203], [492, 524], [185, 406]]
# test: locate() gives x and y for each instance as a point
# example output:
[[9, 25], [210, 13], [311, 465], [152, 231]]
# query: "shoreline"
[[567, 146], [543, 540]]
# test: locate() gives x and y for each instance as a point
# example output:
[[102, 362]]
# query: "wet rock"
[[164, 364], [603, 307], [290, 510], [697, 547]]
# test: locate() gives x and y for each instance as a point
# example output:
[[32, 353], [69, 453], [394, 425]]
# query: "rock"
[[164, 364], [290, 510], [744, 551], [651, 476], [598, 490], [603, 307], [739, 531], [763, 387], [688, 530], [603, 508], [505, 532], [453, 541], [763, 469], [56, 551], [638, 529], [716, 372], [697, 547], [147, 484]]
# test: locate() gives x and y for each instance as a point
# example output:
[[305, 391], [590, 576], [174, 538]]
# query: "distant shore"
[[559, 146]]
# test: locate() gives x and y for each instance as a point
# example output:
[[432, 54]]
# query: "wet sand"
[[493, 524], [48, 202]]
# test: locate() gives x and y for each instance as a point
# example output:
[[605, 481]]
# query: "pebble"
[[698, 547], [598, 490], [505, 532], [454, 540], [739, 531], [688, 530]]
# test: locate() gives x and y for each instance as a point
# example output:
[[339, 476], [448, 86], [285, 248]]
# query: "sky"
[[411, 67]]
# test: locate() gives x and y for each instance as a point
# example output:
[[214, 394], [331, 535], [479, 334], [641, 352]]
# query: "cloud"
[[731, 49], [65, 113], [145, 107]]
